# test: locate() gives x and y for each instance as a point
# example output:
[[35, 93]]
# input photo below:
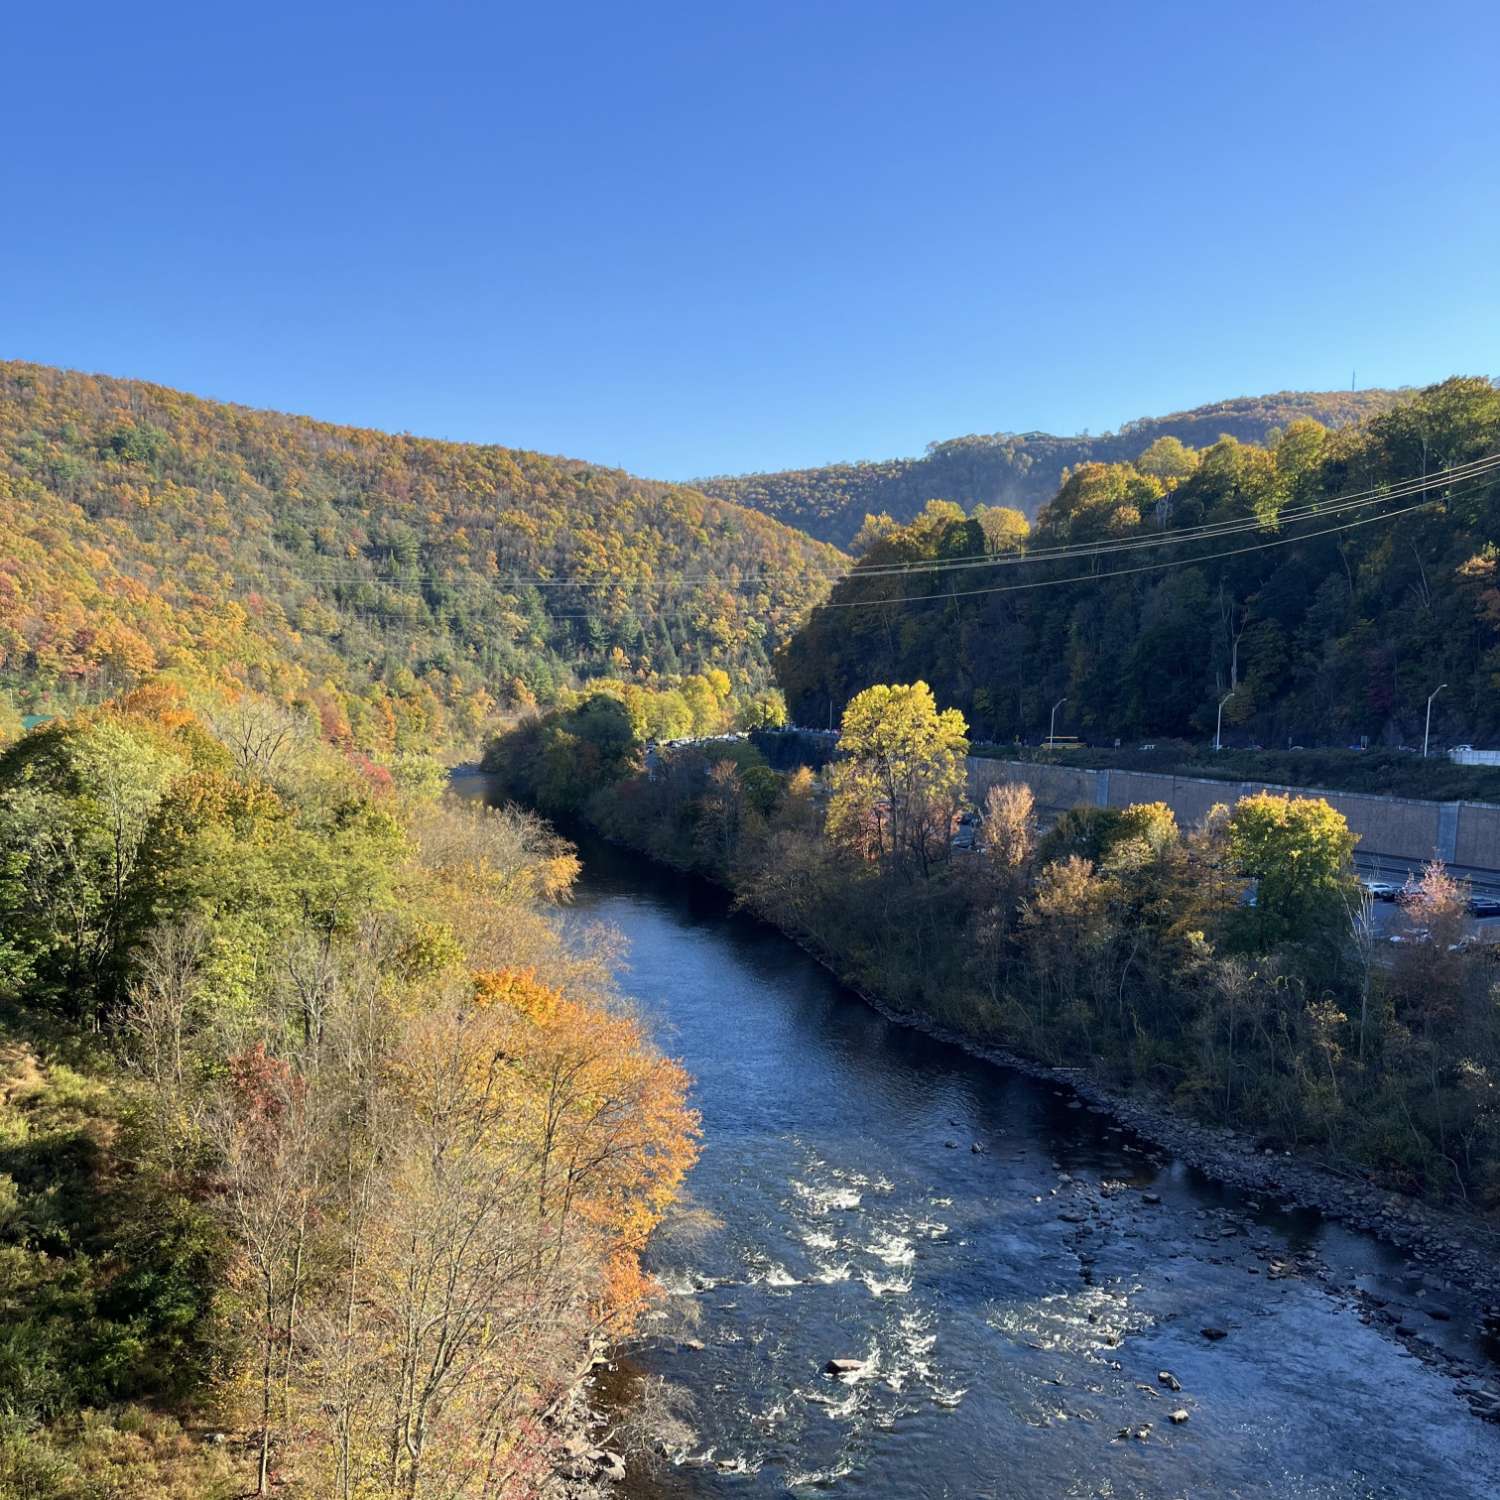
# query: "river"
[[1015, 1304]]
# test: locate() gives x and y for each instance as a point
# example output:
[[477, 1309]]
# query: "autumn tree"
[[1008, 846], [1168, 459], [1010, 827], [267, 1178], [1300, 853], [1004, 529], [900, 780]]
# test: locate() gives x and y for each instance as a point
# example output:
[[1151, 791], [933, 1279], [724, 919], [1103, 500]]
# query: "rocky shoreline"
[[1450, 1281], [1453, 1259]]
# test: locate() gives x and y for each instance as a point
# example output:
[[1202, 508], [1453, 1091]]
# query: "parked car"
[[1382, 890], [1416, 935], [966, 833], [1484, 906]]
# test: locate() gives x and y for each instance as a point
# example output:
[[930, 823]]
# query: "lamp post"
[[1428, 730], [1052, 723], [1219, 726]]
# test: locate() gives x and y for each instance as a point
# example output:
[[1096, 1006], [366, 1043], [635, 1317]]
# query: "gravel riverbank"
[[1453, 1259]]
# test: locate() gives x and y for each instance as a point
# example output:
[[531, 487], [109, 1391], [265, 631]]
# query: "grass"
[[128, 1453]]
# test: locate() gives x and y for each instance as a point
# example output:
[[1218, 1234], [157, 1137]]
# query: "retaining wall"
[[1405, 829]]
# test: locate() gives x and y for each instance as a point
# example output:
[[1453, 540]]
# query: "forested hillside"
[[316, 1132], [1016, 469], [398, 584], [1327, 617]]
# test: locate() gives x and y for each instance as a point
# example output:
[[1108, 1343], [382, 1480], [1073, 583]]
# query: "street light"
[[1218, 727], [1052, 723], [1428, 730]]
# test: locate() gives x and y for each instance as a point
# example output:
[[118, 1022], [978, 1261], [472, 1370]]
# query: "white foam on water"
[[839, 1410], [893, 1249], [896, 1286], [763, 1271], [860, 1180], [767, 1420], [816, 1239], [820, 1479], [821, 1199], [915, 1339], [949, 1398], [829, 1274], [739, 1464], [913, 1344]]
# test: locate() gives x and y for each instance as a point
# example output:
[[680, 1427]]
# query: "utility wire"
[[1171, 562], [1208, 530]]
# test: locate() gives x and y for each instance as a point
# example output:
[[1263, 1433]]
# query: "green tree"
[[1300, 853], [76, 805]]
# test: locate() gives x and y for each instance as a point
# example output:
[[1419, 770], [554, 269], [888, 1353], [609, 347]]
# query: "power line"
[[1332, 506], [1175, 562]]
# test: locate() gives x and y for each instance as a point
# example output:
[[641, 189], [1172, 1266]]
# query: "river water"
[[1014, 1305]]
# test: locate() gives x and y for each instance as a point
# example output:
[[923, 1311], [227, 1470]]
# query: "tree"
[[875, 529], [1070, 930], [1168, 459], [1000, 876], [1300, 853], [1005, 529], [1010, 827], [900, 781], [260, 734], [268, 1185], [76, 804]]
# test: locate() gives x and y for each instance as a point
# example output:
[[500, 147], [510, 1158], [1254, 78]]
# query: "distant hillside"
[[1318, 590], [396, 582], [1019, 469]]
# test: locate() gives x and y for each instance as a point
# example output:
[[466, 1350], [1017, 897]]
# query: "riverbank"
[[1011, 1307], [1454, 1278], [1453, 1258]]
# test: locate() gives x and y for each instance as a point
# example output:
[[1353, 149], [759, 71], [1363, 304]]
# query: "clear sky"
[[712, 237]]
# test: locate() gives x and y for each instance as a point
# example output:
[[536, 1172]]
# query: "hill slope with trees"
[[1017, 469], [1325, 624], [316, 1130], [401, 585]]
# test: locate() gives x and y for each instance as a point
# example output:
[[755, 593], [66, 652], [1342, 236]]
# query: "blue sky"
[[714, 237]]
